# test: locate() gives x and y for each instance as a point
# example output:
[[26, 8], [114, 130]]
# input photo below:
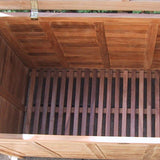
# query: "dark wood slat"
[[149, 109], [141, 103], [108, 103], [30, 102], [133, 103], [77, 102], [61, 103], [38, 103], [100, 104], [101, 38], [93, 103], [116, 114], [157, 108], [69, 103], [85, 103], [53, 103], [46, 98], [124, 109]]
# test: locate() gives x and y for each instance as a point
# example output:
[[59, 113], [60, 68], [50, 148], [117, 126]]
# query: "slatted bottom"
[[93, 102]]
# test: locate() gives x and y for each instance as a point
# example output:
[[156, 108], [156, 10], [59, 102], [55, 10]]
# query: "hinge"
[[34, 9]]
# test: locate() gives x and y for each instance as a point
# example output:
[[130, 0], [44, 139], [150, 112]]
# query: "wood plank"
[[85, 103], [69, 103], [157, 108], [38, 103], [52, 38], [101, 38], [149, 107], [46, 98], [77, 103], [86, 5], [108, 103], [53, 102], [61, 102], [133, 103], [93, 103], [30, 102], [149, 152], [151, 43], [116, 114], [141, 104], [100, 104], [124, 108]]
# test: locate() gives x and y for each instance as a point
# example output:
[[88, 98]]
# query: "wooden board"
[[92, 41], [129, 5], [82, 147]]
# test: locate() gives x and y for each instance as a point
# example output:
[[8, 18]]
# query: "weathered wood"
[[38, 103], [77, 103], [46, 98], [116, 114], [30, 102], [108, 104], [141, 103], [133, 103], [93, 103], [100, 104], [69, 103], [53, 103], [85, 103], [124, 109]]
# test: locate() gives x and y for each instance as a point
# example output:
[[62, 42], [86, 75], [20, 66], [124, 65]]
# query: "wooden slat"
[[133, 103], [157, 107], [61, 103], [93, 103], [53, 103], [77, 103], [69, 103], [100, 104], [101, 38], [149, 108], [151, 43], [108, 104], [85, 103], [38, 103], [141, 103], [124, 108], [116, 114], [30, 102], [86, 5], [51, 37], [46, 98]]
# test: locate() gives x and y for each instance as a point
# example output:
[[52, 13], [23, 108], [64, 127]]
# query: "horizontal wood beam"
[[82, 5], [11, 99]]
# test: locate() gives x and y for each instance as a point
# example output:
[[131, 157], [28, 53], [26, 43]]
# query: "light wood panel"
[[149, 5], [92, 41]]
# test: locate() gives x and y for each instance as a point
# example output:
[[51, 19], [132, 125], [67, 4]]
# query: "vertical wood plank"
[[38, 103], [100, 104], [149, 109], [61, 103], [69, 103], [45, 106], [85, 103], [93, 103], [157, 108], [77, 102], [133, 103], [30, 102], [116, 114], [141, 103], [108, 103], [53, 102], [124, 109]]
